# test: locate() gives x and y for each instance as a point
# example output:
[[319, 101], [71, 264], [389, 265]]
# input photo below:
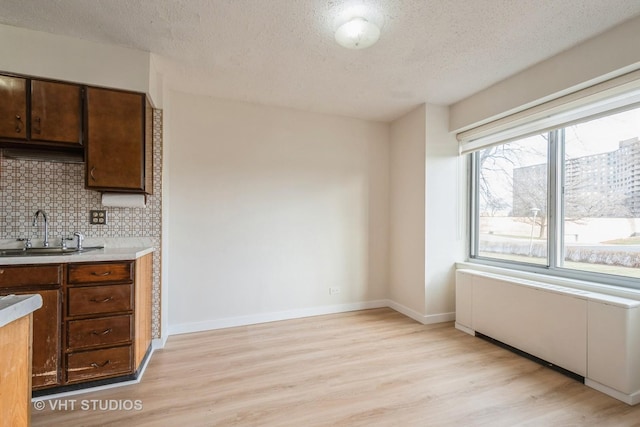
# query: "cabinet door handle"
[[106, 273], [37, 128], [19, 124], [1, 271], [100, 365], [105, 332], [91, 173], [107, 299]]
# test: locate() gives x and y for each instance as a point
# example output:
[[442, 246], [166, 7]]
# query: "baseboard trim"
[[465, 329], [425, 319], [230, 322], [630, 399], [158, 343]]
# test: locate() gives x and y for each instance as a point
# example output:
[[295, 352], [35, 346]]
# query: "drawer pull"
[[106, 273], [19, 124], [1, 271], [97, 365], [105, 332], [107, 299]]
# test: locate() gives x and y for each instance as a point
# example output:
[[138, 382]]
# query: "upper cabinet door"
[[13, 107], [117, 144], [56, 112]]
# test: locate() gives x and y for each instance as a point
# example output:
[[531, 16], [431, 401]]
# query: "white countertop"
[[13, 307], [105, 254]]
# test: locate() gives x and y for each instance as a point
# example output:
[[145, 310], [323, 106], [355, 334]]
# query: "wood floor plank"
[[366, 368]]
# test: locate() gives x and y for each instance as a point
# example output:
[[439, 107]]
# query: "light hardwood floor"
[[366, 368]]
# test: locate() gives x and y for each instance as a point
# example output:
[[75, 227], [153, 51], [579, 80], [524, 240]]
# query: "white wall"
[[610, 54], [157, 81], [65, 58], [268, 208], [407, 212], [425, 242], [444, 238]]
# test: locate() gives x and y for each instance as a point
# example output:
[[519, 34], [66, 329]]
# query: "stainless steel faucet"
[[45, 243], [80, 238]]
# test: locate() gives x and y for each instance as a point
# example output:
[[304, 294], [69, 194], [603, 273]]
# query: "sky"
[[602, 135]]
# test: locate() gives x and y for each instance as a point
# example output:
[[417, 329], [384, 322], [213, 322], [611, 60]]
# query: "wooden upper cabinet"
[[118, 141], [13, 107], [56, 112], [40, 113]]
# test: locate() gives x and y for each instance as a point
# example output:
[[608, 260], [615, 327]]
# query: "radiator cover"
[[593, 335]]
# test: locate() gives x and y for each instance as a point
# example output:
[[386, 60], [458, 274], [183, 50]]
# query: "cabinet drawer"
[[16, 276], [88, 365], [99, 299], [100, 272], [97, 332]]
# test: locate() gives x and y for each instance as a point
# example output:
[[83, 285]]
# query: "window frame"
[[555, 223]]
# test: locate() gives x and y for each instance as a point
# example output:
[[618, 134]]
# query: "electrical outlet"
[[334, 291], [97, 217]]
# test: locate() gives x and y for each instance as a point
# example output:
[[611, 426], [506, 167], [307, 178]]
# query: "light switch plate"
[[98, 217]]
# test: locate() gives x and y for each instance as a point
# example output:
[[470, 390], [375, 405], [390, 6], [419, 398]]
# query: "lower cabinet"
[[46, 340], [95, 321], [45, 280], [98, 320]]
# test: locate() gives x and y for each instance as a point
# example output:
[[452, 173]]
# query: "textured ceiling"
[[282, 52]]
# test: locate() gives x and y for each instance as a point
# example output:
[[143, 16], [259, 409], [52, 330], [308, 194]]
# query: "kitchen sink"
[[45, 251]]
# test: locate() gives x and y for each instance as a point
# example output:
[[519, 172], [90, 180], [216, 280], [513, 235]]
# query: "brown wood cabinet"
[[13, 107], [45, 280], [110, 129], [98, 320], [95, 321], [40, 114], [46, 339], [119, 141], [56, 112]]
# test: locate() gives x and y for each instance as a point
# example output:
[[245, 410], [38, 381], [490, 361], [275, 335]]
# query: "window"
[[512, 194], [565, 201]]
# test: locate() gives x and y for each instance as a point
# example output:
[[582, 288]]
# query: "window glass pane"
[[512, 201], [602, 195]]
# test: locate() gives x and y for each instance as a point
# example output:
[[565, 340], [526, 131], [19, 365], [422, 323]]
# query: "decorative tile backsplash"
[[58, 189]]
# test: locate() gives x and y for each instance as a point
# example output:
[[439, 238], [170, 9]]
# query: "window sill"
[[603, 288]]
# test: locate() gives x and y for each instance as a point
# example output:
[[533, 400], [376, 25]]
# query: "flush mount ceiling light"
[[357, 33]]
